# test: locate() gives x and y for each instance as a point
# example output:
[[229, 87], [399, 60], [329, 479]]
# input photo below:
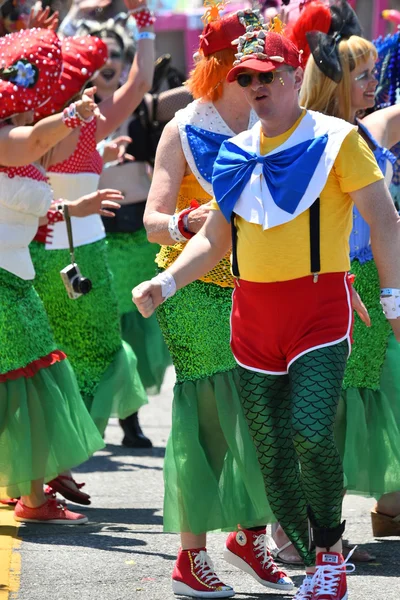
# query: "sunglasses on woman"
[[245, 79]]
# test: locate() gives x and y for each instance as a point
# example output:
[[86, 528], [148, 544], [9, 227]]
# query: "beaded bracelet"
[[143, 17], [71, 117]]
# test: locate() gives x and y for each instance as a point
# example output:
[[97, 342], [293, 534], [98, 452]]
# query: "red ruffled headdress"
[[30, 66], [82, 57], [315, 16]]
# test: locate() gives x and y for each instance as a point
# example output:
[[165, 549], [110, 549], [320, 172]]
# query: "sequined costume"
[[45, 428], [131, 255], [210, 458], [368, 427], [132, 259], [88, 328]]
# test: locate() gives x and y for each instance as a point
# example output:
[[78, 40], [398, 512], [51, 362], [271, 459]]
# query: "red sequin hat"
[[82, 57], [30, 66], [265, 51], [219, 34]]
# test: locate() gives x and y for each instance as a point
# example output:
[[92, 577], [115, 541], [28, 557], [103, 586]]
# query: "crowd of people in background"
[[246, 207]]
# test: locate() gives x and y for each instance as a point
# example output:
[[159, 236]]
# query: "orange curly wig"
[[209, 74]]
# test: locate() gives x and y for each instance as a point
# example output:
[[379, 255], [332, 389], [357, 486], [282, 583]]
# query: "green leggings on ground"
[[291, 420]]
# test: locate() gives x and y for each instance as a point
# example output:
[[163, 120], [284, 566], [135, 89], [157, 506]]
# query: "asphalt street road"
[[123, 554]]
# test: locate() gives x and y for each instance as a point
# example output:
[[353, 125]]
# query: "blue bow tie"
[[205, 146], [287, 173]]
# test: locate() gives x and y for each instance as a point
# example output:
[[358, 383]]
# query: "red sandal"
[[9, 502], [58, 485]]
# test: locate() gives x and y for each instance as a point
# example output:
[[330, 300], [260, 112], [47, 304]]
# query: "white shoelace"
[[261, 550], [205, 566], [305, 590], [327, 577]]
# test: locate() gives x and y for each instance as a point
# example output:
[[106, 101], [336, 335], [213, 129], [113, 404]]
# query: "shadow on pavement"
[[105, 531], [387, 559], [106, 461]]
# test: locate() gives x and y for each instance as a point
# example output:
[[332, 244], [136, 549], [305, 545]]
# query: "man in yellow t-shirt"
[[285, 190]]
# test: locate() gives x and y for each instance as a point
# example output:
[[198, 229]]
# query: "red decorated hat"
[[82, 58], [264, 51], [220, 32], [30, 66]]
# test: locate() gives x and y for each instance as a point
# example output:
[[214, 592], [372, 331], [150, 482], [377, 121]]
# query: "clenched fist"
[[147, 296]]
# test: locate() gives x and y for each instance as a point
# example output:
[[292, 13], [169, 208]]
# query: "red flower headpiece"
[[30, 66], [82, 57]]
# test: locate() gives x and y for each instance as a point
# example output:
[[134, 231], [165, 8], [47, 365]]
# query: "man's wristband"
[[167, 282]]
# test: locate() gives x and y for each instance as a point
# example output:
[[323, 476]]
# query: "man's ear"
[[298, 78]]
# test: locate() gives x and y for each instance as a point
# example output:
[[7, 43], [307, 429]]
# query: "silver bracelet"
[[167, 282], [173, 229], [145, 35]]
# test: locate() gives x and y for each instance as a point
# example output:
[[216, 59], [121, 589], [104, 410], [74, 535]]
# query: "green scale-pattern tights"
[[291, 420]]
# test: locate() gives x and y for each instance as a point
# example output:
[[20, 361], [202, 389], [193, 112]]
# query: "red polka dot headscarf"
[[82, 57], [30, 66]]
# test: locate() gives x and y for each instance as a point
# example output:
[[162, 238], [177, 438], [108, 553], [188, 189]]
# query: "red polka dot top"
[[30, 171], [85, 158]]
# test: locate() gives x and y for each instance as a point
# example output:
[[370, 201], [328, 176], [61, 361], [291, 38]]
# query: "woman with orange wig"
[[212, 477]]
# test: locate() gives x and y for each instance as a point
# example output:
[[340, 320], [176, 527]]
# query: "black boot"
[[134, 436]]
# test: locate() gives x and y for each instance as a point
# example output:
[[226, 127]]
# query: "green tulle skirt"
[[45, 428], [131, 259], [368, 422], [212, 477], [88, 331]]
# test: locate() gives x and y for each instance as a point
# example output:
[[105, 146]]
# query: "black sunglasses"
[[245, 79]]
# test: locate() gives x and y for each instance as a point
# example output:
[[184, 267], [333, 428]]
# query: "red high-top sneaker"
[[247, 551], [194, 576], [305, 590], [329, 582]]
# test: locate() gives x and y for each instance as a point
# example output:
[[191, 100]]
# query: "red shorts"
[[273, 324]]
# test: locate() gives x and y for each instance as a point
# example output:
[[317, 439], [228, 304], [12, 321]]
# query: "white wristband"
[[390, 292], [145, 35], [391, 305], [167, 282], [173, 229]]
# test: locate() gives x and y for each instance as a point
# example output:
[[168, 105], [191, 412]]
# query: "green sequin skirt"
[[368, 422], [45, 429], [25, 333], [132, 260], [364, 366], [211, 472], [88, 331]]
